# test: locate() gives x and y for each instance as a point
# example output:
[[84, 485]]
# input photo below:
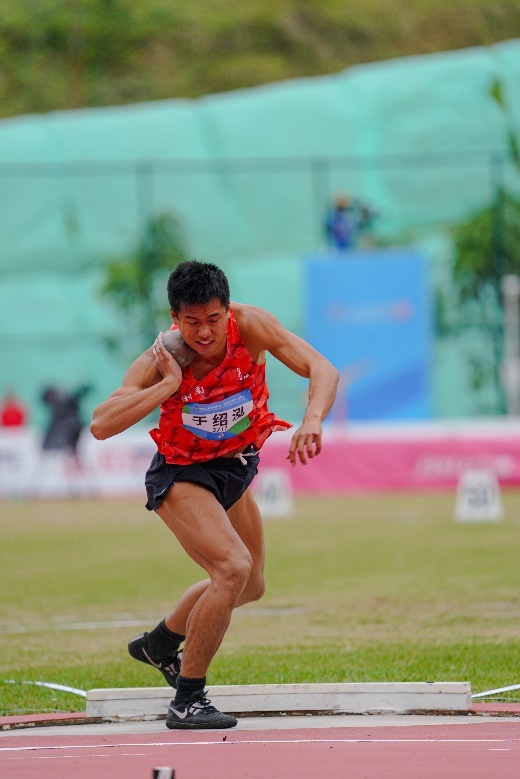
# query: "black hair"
[[193, 283]]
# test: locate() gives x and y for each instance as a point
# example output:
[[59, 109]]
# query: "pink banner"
[[422, 458], [360, 459]]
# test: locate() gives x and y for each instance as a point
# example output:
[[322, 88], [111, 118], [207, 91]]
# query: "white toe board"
[[348, 697]]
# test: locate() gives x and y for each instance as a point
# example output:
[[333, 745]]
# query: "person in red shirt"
[[213, 421], [12, 411]]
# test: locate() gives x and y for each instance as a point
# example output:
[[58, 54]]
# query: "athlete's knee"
[[258, 592], [234, 572], [254, 590]]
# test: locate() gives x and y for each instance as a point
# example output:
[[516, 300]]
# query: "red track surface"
[[477, 750]]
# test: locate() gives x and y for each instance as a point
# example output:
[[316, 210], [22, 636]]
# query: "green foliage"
[[497, 93], [136, 282], [488, 245], [73, 53]]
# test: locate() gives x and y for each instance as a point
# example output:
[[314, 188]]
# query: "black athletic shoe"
[[169, 665], [198, 714]]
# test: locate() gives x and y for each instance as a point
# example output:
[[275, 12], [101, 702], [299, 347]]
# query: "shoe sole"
[[196, 726]]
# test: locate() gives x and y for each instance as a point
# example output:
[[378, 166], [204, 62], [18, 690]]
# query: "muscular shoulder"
[[260, 329]]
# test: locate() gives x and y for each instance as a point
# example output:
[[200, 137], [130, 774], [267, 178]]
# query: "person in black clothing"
[[65, 424]]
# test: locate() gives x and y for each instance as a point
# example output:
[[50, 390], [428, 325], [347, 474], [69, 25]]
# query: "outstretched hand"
[[306, 442]]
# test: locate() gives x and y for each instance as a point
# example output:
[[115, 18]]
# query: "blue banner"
[[369, 312]]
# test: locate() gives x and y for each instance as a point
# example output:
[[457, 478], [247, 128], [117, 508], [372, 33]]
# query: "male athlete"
[[213, 422]]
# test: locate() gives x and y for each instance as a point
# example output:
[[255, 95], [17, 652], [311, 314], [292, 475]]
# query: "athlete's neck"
[[201, 365]]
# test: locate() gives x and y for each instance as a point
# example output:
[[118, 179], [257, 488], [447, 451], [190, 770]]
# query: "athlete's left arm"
[[263, 331]]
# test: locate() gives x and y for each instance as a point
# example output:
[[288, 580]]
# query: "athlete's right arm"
[[149, 381]]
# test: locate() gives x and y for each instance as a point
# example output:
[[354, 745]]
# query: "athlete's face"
[[203, 327]]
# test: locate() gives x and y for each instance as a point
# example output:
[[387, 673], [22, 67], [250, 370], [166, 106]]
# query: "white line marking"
[[121, 623], [273, 741], [495, 692], [51, 686], [57, 624], [77, 757]]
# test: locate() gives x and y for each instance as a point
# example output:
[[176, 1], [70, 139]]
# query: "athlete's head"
[[193, 283]]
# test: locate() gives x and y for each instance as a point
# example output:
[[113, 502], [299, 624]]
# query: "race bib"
[[215, 421]]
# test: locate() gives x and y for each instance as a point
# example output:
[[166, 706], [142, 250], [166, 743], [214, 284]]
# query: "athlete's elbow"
[[332, 372], [98, 430]]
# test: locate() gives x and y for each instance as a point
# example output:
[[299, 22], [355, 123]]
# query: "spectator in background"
[[12, 411], [65, 425], [60, 470], [346, 220]]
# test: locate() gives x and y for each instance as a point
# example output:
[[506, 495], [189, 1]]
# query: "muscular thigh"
[[201, 525], [245, 518]]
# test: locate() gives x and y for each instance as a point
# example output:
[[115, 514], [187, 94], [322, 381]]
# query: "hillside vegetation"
[[73, 53]]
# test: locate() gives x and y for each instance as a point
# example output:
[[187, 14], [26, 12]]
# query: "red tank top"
[[224, 411]]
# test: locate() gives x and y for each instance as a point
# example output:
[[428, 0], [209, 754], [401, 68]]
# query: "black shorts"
[[226, 477]]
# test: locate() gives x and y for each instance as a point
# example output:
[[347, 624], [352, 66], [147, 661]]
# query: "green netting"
[[249, 174]]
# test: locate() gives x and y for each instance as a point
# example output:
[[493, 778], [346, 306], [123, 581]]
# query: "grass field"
[[376, 588]]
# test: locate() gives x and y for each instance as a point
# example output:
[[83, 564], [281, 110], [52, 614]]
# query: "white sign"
[[273, 492], [103, 468], [478, 497]]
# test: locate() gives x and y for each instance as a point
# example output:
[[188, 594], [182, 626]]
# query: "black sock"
[[163, 641], [186, 687]]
